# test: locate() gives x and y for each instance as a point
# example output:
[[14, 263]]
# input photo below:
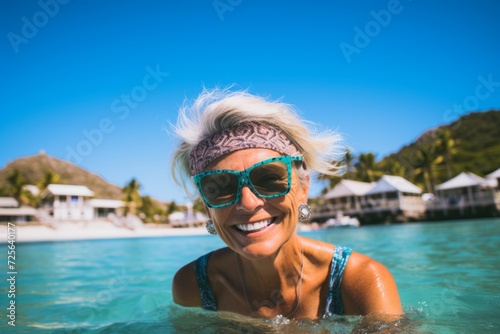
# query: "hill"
[[473, 143], [35, 167]]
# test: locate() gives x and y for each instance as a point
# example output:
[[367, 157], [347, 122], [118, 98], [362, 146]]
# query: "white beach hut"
[[346, 197], [102, 207], [10, 211], [467, 190], [395, 193], [68, 202]]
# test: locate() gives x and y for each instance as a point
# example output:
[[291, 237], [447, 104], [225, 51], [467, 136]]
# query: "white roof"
[[390, 183], [69, 190], [106, 203], [348, 188], [8, 202], [463, 180], [22, 211], [494, 175]]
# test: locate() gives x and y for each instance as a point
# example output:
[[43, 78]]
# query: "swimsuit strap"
[[207, 294], [334, 301]]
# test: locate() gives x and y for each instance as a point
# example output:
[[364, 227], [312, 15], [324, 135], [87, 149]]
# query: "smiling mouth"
[[254, 227]]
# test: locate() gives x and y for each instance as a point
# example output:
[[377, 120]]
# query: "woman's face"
[[257, 227]]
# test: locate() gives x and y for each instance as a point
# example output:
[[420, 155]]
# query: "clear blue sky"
[[379, 72]]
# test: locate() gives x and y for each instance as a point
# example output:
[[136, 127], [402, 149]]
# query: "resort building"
[[466, 195], [10, 211], [104, 207], [62, 202], [346, 198], [393, 198], [390, 199], [68, 202]]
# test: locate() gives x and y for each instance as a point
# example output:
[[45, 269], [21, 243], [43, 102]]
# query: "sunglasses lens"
[[270, 179], [219, 188]]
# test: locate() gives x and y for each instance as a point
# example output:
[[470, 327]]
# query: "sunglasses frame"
[[244, 178]]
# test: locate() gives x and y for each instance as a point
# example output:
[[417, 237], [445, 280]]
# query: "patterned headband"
[[245, 135]]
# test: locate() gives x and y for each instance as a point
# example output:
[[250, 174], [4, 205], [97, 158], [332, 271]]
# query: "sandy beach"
[[91, 231]]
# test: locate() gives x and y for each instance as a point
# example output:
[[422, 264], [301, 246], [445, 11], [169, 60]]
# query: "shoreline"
[[92, 231]]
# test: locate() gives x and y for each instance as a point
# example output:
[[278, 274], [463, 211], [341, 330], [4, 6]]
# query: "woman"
[[250, 161]]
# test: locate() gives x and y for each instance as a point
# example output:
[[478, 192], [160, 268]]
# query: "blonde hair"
[[219, 109]]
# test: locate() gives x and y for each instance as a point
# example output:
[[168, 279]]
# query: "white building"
[[391, 198], [346, 198], [10, 211], [393, 191], [64, 202], [104, 207], [396, 195], [467, 193], [68, 202]]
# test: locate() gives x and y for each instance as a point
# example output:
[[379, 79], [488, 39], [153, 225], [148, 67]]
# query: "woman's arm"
[[369, 288]]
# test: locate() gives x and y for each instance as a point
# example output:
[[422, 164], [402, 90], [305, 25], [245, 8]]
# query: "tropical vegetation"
[[470, 144]]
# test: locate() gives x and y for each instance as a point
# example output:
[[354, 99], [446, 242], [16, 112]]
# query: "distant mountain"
[[476, 139], [35, 167]]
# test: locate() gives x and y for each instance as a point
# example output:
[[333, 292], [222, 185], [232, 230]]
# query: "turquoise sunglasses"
[[267, 179]]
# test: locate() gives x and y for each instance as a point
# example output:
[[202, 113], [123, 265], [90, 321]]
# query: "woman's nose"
[[248, 200]]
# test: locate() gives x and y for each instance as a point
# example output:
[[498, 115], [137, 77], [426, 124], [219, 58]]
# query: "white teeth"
[[254, 226]]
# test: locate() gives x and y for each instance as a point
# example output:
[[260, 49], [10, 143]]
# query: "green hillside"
[[470, 144], [34, 168]]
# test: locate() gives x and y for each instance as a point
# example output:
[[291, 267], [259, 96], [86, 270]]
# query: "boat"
[[343, 221]]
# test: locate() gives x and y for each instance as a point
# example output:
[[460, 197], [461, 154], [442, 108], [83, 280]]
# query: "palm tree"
[[427, 159], [16, 182], [398, 169], [447, 147], [366, 168], [148, 208], [132, 197], [48, 178], [348, 163]]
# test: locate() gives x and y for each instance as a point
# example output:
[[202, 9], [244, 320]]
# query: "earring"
[[304, 212], [210, 227]]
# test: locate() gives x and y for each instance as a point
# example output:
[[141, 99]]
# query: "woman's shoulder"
[[185, 284], [372, 284], [360, 264]]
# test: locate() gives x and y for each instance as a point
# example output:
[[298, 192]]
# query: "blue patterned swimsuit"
[[333, 302]]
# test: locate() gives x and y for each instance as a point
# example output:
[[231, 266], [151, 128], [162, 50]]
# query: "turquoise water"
[[448, 275]]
